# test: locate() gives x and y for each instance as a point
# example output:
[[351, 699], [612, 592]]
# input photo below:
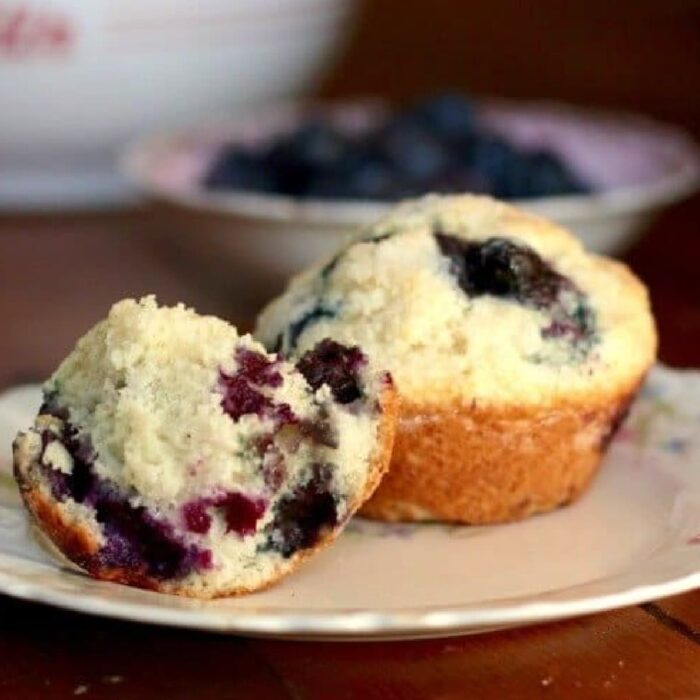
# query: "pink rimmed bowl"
[[252, 242]]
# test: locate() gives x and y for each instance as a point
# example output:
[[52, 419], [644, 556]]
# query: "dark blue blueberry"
[[492, 159], [241, 391], [372, 180], [335, 365], [328, 186], [414, 154], [236, 169], [437, 145], [548, 177], [501, 268], [304, 157], [135, 540], [316, 143], [302, 516], [449, 116], [358, 176], [498, 267], [241, 397]]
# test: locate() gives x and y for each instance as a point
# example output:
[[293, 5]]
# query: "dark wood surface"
[[59, 274]]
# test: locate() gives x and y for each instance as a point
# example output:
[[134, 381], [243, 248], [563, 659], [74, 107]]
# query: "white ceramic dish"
[[633, 537], [79, 78], [637, 166]]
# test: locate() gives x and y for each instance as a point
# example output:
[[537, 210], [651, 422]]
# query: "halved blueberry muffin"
[[515, 353], [173, 454]]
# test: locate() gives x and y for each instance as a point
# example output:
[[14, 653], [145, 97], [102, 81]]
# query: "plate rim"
[[351, 624]]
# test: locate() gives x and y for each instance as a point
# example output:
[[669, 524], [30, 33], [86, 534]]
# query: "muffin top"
[[467, 299]]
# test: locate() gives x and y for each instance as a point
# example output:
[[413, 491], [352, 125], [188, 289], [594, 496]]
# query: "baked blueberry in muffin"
[[515, 353], [173, 454]]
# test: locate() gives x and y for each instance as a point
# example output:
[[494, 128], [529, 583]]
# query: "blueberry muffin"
[[515, 353], [172, 454]]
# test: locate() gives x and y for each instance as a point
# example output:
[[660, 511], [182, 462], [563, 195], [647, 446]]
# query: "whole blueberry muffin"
[[170, 453], [515, 353]]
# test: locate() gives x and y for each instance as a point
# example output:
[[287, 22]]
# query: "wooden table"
[[59, 274]]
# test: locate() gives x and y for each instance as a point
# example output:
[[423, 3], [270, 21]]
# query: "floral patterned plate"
[[633, 537]]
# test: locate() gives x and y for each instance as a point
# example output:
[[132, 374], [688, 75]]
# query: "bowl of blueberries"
[[274, 191]]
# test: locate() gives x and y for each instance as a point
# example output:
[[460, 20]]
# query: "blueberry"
[[241, 391], [449, 116], [411, 151], [491, 158], [302, 158], [240, 398], [257, 368], [498, 267], [328, 186], [438, 145], [549, 176], [301, 516], [316, 144], [515, 174], [240, 512], [376, 181], [335, 365], [236, 169], [196, 517], [136, 540]]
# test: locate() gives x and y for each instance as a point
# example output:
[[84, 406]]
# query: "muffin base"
[[480, 465], [80, 541]]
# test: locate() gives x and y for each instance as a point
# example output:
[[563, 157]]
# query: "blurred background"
[[80, 80], [642, 56]]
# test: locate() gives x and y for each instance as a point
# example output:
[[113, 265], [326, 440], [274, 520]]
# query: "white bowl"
[[81, 78], [636, 166]]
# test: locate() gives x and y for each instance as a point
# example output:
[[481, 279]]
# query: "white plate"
[[633, 537]]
